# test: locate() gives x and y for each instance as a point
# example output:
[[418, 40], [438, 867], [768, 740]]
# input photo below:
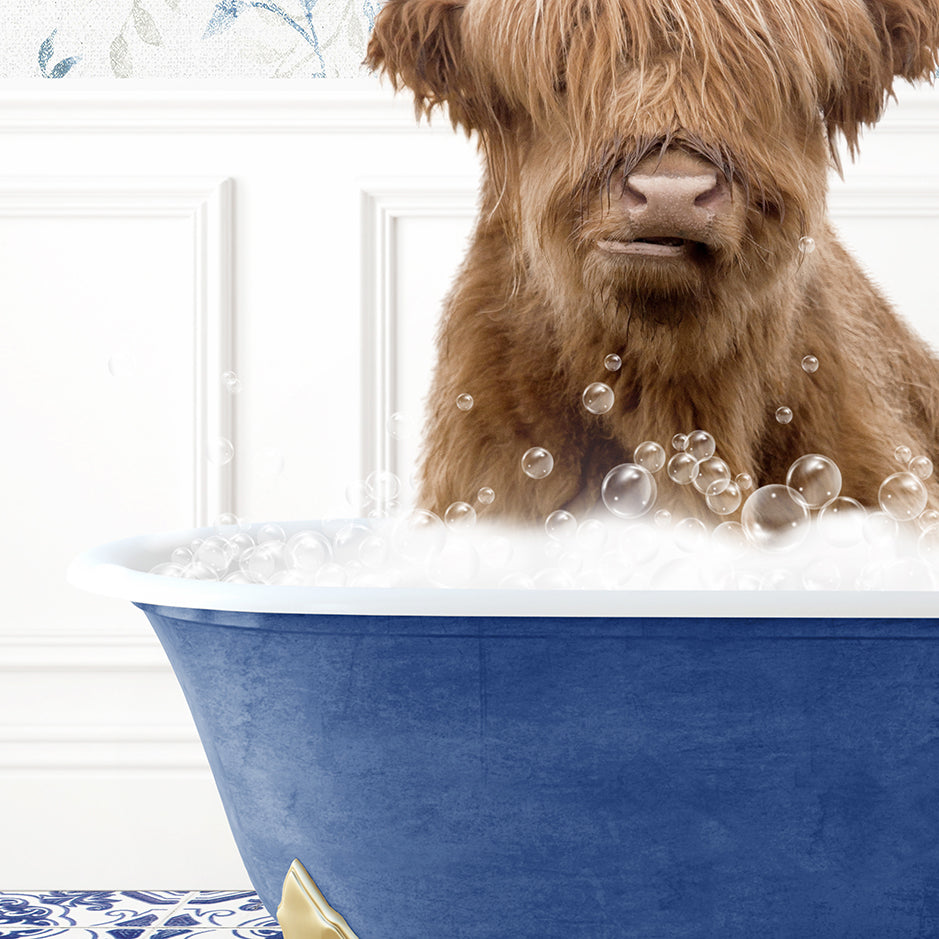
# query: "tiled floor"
[[135, 914]]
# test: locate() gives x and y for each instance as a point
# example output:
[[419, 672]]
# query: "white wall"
[[153, 236]]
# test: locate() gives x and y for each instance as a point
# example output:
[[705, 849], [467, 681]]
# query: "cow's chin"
[[672, 291]]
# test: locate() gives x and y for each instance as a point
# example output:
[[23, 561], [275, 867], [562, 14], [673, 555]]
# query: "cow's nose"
[[676, 195]]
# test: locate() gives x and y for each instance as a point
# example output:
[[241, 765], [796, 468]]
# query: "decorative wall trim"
[[207, 205], [384, 202], [98, 747], [81, 654], [362, 105], [886, 196], [355, 106]]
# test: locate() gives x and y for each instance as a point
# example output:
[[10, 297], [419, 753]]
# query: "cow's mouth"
[[657, 247]]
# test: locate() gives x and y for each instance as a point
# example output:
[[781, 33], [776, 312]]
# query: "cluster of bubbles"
[[801, 534]]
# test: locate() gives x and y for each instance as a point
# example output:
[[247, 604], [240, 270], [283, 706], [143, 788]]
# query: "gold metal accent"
[[304, 913]]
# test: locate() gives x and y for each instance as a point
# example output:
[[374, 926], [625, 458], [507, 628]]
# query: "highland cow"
[[655, 177]]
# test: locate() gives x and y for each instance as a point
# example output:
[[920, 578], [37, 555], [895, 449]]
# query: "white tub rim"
[[118, 569]]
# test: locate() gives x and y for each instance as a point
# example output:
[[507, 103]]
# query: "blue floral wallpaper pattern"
[[58, 39]]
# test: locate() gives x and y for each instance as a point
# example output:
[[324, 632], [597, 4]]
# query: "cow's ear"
[[897, 39], [418, 44]]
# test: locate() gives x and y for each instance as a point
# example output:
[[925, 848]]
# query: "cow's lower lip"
[[648, 248]]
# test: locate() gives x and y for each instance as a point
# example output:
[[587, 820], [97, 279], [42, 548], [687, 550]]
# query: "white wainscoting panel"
[[414, 235], [153, 235]]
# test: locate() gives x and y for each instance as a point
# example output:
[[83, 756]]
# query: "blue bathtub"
[[548, 764]]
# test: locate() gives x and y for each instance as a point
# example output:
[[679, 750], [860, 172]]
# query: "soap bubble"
[[809, 364], [215, 553], [775, 517], [816, 478], [486, 496], [260, 561], [228, 521], [784, 415], [231, 382], [903, 455], [270, 531], [464, 402], [880, 530], [690, 534], [598, 397], [906, 574], [330, 574], [841, 521], [456, 564], [552, 578], [744, 481], [806, 244], [374, 551], [459, 515], [241, 577], [928, 519], [308, 550], [613, 363], [181, 556], [220, 451], [679, 441], [902, 496], [198, 571], [628, 490], [928, 546], [516, 580], [682, 468], [662, 518], [560, 525], [723, 497], [822, 573], [346, 541], [730, 538], [921, 466], [382, 485], [638, 544], [537, 462], [418, 535], [168, 569], [649, 455], [700, 445], [398, 426], [591, 536], [356, 495], [711, 474], [782, 578]]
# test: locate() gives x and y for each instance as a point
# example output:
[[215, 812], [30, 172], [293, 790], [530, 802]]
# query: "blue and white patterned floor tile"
[[135, 914]]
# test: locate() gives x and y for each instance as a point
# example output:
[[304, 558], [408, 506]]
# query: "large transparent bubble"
[[775, 518], [628, 490], [902, 496], [816, 478]]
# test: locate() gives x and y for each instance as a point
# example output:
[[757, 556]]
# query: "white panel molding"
[[364, 105], [324, 106], [384, 203], [81, 654], [70, 748], [207, 205], [886, 197]]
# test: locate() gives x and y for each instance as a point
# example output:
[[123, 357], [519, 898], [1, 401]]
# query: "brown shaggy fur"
[[568, 99]]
